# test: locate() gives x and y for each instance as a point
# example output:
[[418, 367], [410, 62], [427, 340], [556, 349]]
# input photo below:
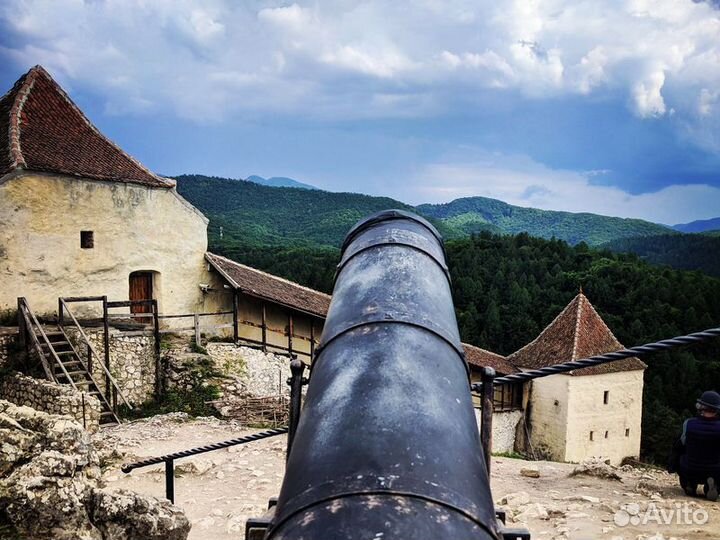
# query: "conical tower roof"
[[577, 332], [42, 130]]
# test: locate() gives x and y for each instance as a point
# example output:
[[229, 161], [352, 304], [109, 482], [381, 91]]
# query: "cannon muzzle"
[[387, 446]]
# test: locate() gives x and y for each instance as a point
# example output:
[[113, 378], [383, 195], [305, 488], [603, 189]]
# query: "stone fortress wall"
[[52, 398]]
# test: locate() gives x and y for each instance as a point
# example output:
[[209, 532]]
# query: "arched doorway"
[[142, 287]]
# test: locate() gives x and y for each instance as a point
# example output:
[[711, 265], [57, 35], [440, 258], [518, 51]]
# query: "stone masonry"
[[505, 425], [132, 361], [241, 371], [8, 335], [52, 398]]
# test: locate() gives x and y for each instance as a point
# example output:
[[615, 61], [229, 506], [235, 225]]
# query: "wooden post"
[[264, 328], [156, 332], [106, 330], [235, 317], [198, 337], [312, 340], [487, 392], [22, 331], [290, 333], [61, 320]]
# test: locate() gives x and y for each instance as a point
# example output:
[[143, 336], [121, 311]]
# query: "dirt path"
[[221, 489]]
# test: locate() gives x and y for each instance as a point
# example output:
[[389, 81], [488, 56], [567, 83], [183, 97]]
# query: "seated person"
[[699, 448]]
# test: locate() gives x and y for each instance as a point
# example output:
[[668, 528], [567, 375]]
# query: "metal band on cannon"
[[387, 445]]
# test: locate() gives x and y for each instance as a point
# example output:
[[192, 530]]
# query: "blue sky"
[[610, 107]]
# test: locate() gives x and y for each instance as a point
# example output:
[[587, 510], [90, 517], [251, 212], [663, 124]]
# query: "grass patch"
[[192, 402], [8, 317], [511, 455]]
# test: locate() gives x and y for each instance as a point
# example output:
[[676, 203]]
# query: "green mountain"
[[475, 214], [278, 181], [702, 225], [686, 252], [254, 218]]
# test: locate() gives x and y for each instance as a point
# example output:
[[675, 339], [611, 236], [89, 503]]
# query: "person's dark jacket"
[[701, 439]]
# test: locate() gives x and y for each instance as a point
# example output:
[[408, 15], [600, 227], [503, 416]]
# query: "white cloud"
[[519, 180], [210, 60]]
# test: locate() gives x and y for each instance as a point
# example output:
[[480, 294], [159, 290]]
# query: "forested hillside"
[[687, 251], [475, 214], [254, 215], [507, 289]]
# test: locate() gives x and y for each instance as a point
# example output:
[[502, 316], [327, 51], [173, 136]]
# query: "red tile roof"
[[479, 358], [577, 332], [272, 288], [42, 130]]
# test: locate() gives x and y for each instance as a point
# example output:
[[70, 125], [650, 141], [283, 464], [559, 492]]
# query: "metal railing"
[[296, 381], [490, 381]]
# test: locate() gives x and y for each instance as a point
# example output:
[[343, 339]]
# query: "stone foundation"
[[52, 398], [257, 373], [239, 371], [8, 336], [132, 361], [504, 428]]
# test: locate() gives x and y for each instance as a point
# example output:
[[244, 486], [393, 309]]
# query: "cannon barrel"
[[387, 445]]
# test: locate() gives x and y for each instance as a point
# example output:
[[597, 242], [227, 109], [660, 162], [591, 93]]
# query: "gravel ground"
[[220, 490]]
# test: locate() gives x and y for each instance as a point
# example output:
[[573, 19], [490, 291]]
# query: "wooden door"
[[141, 289]]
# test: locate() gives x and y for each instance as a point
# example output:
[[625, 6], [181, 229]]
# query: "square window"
[[87, 239], [606, 397]]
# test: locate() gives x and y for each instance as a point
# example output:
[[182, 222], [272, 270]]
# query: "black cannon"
[[387, 445]]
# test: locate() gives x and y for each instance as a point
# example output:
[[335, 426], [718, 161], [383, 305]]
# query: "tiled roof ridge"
[[17, 159], [272, 276], [578, 313], [465, 344], [541, 335], [19, 99], [602, 321]]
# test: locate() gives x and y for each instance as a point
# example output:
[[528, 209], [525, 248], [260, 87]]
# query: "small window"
[[87, 239], [592, 435], [627, 432], [606, 434], [606, 397]]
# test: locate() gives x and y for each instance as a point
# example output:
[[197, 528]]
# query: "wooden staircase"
[[62, 363], [71, 369]]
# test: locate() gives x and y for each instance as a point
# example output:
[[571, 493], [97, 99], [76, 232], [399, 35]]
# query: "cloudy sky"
[[610, 107]]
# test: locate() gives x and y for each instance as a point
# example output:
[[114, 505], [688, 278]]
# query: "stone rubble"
[[50, 485], [52, 398]]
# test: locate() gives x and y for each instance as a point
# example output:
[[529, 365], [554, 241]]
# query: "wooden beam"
[[235, 316], [264, 328]]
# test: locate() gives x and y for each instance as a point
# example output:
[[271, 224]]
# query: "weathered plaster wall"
[[8, 335], [132, 361], [616, 426], [52, 398], [219, 299], [504, 429], [136, 229], [548, 415]]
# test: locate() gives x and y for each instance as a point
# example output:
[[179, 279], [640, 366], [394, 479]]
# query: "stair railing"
[[31, 324], [64, 308]]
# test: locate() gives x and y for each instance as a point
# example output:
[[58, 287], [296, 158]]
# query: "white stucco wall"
[[135, 229], [548, 415], [608, 422], [504, 429]]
